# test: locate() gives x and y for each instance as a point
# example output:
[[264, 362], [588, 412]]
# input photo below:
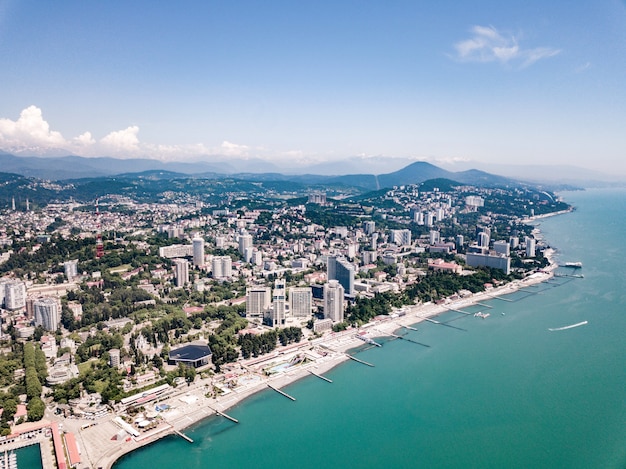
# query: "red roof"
[[72, 448], [58, 446]]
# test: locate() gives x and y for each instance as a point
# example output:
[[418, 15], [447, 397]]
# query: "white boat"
[[575, 265], [571, 326]]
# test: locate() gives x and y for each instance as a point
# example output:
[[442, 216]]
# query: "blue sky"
[[488, 81]]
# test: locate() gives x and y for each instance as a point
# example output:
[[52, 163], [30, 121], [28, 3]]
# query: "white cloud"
[[30, 129], [487, 44], [84, 140], [122, 140], [233, 149]]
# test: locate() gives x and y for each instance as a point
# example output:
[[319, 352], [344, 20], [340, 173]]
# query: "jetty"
[[281, 392], [495, 297], [483, 304], [321, 377], [367, 340], [182, 435], [357, 360], [409, 327]]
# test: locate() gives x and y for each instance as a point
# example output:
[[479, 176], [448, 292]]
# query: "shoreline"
[[189, 406]]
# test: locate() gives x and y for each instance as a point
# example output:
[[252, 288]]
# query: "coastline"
[[189, 405]]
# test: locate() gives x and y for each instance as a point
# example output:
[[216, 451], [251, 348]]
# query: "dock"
[[281, 392], [484, 305], [432, 320], [321, 377], [410, 328], [357, 360], [182, 435]]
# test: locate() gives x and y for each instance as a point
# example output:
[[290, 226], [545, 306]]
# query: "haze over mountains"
[[372, 172]]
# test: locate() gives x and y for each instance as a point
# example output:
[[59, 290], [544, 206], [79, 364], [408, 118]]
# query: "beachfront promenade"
[[189, 404]]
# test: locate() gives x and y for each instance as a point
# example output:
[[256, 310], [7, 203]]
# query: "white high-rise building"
[[530, 247], [433, 236], [333, 301], [279, 302], [401, 237], [483, 239], [258, 301], [502, 247], [369, 227], [181, 271], [71, 269], [47, 313], [245, 241], [429, 218], [15, 295], [198, 252], [222, 267], [300, 302]]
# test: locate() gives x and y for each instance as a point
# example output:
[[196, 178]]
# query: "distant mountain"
[[75, 167]]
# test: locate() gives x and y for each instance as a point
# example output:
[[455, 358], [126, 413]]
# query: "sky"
[[296, 82]]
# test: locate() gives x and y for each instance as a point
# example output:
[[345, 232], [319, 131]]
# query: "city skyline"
[[488, 83]]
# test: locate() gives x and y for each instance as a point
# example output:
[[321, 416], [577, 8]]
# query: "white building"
[[258, 300], [198, 252], [245, 241], [47, 313], [176, 250], [333, 301], [300, 302], [222, 267], [530, 247], [181, 272], [279, 303], [401, 237], [71, 269], [14, 295]]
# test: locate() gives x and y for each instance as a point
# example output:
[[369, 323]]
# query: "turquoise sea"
[[504, 392]]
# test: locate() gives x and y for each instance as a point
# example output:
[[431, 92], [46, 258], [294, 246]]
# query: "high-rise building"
[[14, 295], [300, 302], [114, 357], [502, 247], [47, 313], [369, 227], [401, 237], [340, 269], [222, 267], [279, 302], [258, 301], [245, 241], [433, 236], [71, 269], [198, 252], [530, 247], [459, 241], [374, 244], [483, 239], [181, 272], [333, 301]]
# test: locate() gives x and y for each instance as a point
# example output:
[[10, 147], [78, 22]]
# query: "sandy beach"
[[190, 404]]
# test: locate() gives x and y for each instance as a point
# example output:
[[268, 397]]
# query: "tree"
[[35, 409]]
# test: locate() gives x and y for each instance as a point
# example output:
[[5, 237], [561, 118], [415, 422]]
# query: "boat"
[[574, 265], [482, 315], [571, 326]]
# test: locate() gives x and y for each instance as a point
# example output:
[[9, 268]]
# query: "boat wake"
[[568, 327]]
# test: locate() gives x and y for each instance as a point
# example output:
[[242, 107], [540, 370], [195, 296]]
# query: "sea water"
[[490, 393]]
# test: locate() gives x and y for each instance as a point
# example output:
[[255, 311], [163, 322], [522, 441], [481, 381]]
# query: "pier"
[[457, 311], [281, 392], [409, 340], [483, 305], [321, 377], [499, 298], [410, 328], [432, 320], [357, 360], [226, 416], [182, 435], [447, 325]]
